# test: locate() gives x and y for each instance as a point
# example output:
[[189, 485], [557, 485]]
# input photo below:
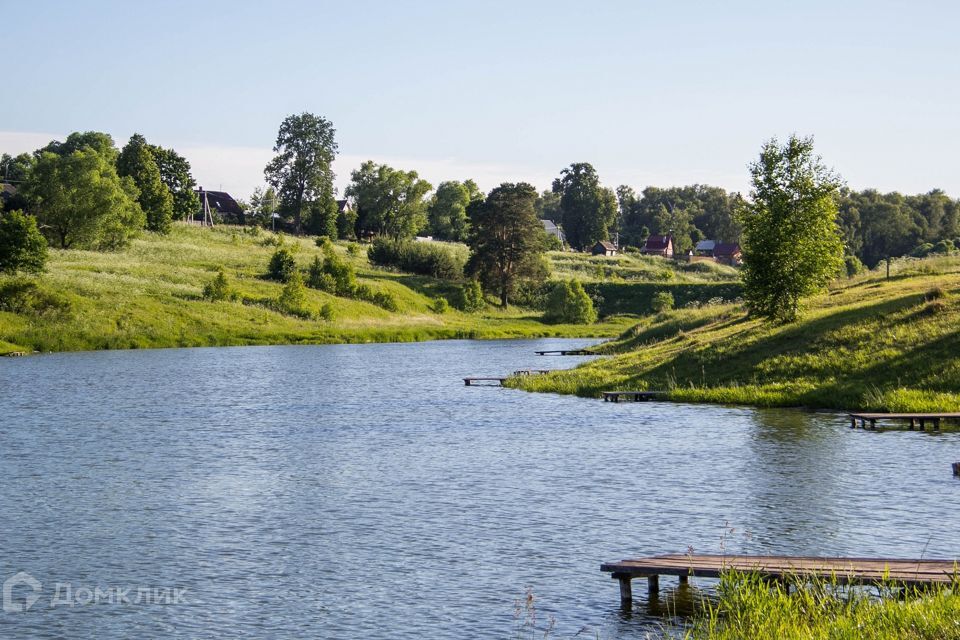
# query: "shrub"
[[22, 247], [422, 258], [333, 275], [326, 312], [325, 243], [568, 302], [353, 249], [25, 297], [469, 297], [440, 305], [853, 265], [385, 300], [219, 289], [936, 293], [282, 265], [293, 298], [662, 301]]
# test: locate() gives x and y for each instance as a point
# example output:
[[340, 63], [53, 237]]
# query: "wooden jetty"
[[499, 380], [914, 420], [782, 568], [565, 352], [632, 396]]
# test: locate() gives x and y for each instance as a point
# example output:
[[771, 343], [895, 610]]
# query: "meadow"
[[867, 343]]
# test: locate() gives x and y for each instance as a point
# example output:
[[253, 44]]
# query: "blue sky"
[[650, 93]]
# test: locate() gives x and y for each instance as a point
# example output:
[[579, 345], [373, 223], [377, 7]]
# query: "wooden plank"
[[903, 416]]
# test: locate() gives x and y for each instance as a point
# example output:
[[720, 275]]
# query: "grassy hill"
[[150, 296], [867, 343]]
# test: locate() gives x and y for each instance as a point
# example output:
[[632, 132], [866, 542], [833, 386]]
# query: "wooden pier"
[[632, 396], [499, 380], [565, 352], [914, 420], [781, 568]]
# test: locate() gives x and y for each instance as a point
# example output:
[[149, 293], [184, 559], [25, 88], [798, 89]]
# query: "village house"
[[604, 248], [228, 209], [554, 231], [658, 246], [712, 251]]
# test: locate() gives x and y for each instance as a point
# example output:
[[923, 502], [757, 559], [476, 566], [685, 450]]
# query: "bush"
[[353, 249], [22, 247], [324, 243], [568, 302], [326, 312], [440, 305], [469, 297], [333, 275], [219, 289], [853, 265], [662, 301], [25, 297], [282, 265], [936, 293], [385, 300], [422, 258], [293, 298]]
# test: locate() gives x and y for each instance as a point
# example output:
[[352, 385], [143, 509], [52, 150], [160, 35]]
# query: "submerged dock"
[[565, 352], [499, 380], [914, 420], [783, 568], [632, 396]]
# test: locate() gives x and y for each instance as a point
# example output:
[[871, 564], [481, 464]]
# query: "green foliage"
[[327, 312], [587, 210], [568, 302], [389, 201], [332, 274], [137, 162], [322, 216], [507, 240], [22, 246], [423, 258], [293, 297], [15, 169], [853, 266], [101, 143], [282, 265], [447, 212], [175, 174], [353, 249], [27, 298], [662, 301], [792, 244], [440, 305], [469, 297], [301, 171], [219, 288], [82, 203], [687, 213]]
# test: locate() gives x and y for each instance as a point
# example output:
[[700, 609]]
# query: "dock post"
[[684, 579], [853, 423], [626, 592], [653, 585], [923, 424], [873, 424], [913, 424]]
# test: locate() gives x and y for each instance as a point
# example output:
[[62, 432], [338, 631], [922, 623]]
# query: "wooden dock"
[[783, 568], [914, 420], [499, 380], [565, 352], [632, 396]]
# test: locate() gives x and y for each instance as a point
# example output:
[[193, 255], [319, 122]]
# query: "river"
[[360, 491]]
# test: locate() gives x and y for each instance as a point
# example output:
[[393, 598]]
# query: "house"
[[658, 246], [604, 248], [223, 203], [554, 231], [704, 248], [728, 253]]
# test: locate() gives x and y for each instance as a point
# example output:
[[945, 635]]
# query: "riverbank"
[[868, 343], [150, 296]]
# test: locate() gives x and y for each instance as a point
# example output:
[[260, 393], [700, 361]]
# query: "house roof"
[[658, 243], [728, 249], [706, 245], [549, 226], [343, 205], [609, 246], [222, 202]]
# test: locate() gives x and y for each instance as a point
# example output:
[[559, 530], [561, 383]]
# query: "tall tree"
[[322, 215], [82, 203], [389, 201], [175, 174], [100, 142], [791, 242], [548, 206], [136, 161], [585, 210], [301, 171], [447, 211], [14, 169], [507, 240]]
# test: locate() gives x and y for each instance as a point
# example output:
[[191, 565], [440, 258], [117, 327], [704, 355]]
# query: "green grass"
[[150, 296], [867, 343], [749, 608]]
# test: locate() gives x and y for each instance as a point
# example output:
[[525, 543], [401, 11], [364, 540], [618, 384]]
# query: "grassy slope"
[[868, 343], [149, 296]]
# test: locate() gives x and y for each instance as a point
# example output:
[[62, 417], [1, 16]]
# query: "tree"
[[100, 142], [586, 211], [507, 240], [82, 203], [175, 174], [389, 201], [548, 205], [568, 302], [22, 246], [14, 169], [322, 215], [447, 211], [136, 161], [791, 241], [301, 171]]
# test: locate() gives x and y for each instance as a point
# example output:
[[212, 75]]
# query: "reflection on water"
[[351, 491]]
